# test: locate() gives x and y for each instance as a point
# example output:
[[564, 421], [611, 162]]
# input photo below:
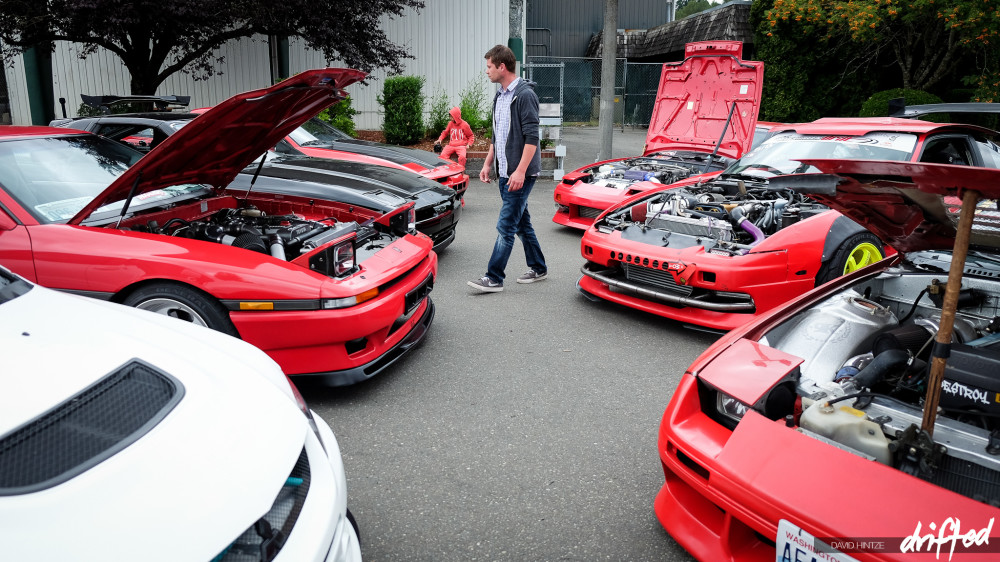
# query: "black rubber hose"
[[914, 307], [884, 363]]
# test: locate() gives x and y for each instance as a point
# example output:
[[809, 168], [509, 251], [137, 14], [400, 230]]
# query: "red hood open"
[[695, 97], [217, 145], [909, 205]]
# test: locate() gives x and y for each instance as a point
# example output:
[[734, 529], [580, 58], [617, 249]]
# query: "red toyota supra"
[[329, 291], [858, 422], [705, 117]]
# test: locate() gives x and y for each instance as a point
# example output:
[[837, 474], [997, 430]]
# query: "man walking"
[[518, 161]]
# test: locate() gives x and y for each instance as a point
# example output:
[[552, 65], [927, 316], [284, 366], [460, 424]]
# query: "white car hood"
[[214, 461]]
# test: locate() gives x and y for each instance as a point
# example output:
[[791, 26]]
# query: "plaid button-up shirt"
[[501, 126]]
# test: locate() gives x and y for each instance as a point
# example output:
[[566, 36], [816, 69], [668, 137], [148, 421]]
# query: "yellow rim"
[[863, 254]]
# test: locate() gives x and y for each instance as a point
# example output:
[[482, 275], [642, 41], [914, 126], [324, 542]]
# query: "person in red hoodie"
[[461, 136]]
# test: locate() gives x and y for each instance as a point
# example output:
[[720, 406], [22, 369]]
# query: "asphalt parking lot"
[[524, 427]]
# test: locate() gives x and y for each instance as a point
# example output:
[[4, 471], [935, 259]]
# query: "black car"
[[372, 186], [381, 188]]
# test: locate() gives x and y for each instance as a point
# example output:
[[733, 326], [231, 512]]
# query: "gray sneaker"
[[486, 285], [531, 276]]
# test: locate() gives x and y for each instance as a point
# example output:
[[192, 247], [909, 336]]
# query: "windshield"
[[53, 178], [315, 131], [779, 155]]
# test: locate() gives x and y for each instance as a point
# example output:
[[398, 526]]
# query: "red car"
[[331, 292], [721, 252], [705, 117], [849, 388], [320, 139]]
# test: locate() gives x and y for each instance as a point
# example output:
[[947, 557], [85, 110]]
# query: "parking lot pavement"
[[525, 426]]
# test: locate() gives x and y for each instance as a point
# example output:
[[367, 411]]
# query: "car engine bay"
[[867, 352], [662, 167], [285, 236], [726, 216]]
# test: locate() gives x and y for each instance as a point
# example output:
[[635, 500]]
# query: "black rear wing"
[[898, 108], [160, 103]]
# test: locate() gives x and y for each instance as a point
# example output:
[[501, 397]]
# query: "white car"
[[128, 435]]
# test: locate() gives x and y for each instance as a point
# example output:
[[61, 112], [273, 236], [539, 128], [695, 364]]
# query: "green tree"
[[403, 101], [691, 7], [927, 38], [155, 39], [341, 115], [807, 76]]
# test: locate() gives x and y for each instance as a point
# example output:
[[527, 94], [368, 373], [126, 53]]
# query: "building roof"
[[730, 21]]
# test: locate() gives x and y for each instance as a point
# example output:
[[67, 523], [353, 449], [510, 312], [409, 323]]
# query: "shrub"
[[341, 115], [403, 102], [878, 104], [472, 99], [439, 114]]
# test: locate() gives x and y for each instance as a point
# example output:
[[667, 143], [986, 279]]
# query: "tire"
[[185, 303], [861, 249]]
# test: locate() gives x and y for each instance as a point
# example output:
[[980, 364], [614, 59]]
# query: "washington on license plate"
[[795, 545]]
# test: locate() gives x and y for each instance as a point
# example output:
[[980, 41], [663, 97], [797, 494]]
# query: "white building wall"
[[17, 93], [447, 39], [246, 66]]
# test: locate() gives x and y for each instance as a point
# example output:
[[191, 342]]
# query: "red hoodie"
[[461, 133]]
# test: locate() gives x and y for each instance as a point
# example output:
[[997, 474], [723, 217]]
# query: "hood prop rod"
[[128, 200], [722, 136], [256, 173], [942, 343]]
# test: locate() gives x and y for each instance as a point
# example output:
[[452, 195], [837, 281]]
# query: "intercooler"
[[656, 278], [589, 212]]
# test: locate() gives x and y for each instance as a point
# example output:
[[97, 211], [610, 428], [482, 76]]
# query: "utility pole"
[[609, 51]]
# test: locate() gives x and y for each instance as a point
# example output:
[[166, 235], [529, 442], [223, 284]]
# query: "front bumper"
[[687, 284], [725, 492], [344, 339], [579, 204], [413, 338]]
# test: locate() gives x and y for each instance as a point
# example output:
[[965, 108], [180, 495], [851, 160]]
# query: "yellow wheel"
[[858, 251], [863, 254]]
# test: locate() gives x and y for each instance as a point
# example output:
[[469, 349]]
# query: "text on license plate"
[[795, 545]]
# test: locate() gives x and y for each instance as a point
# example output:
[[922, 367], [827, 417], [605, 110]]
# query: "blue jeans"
[[514, 219]]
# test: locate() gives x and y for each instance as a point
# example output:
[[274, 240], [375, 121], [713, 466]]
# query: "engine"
[[623, 173], [284, 237], [735, 216], [863, 382]]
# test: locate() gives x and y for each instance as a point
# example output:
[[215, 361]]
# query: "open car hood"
[[217, 145], [909, 205], [696, 95]]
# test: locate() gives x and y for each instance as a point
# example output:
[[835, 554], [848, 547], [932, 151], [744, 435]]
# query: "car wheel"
[[184, 303], [860, 250]]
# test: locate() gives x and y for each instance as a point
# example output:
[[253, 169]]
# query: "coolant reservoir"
[[845, 425], [828, 334]]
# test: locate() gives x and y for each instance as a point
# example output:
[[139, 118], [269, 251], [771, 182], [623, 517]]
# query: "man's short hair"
[[501, 54]]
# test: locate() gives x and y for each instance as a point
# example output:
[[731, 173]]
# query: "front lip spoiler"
[[661, 296], [377, 365]]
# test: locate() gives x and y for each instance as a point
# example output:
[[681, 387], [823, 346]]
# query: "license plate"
[[796, 545]]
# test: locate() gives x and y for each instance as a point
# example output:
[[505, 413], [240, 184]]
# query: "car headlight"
[[730, 407], [345, 302], [411, 220], [343, 258]]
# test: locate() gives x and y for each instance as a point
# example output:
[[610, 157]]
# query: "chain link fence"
[[575, 83]]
